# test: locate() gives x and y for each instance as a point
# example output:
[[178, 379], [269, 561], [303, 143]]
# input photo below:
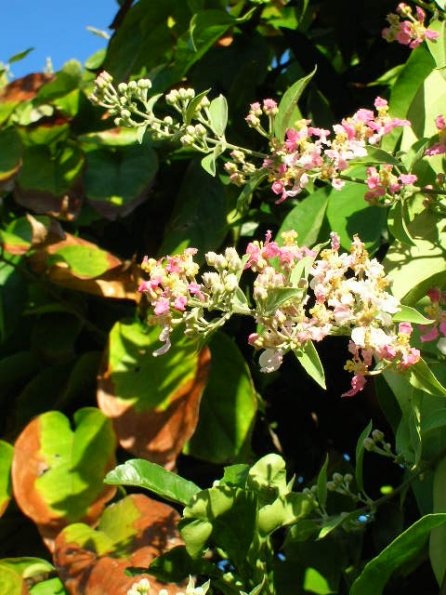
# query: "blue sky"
[[55, 28]]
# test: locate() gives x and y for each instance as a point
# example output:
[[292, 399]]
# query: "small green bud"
[[122, 87], [132, 85], [369, 444], [337, 478], [377, 435]]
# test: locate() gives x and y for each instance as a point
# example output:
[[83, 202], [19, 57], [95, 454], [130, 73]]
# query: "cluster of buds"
[[386, 187], [142, 587], [341, 484], [436, 311], [268, 108], [376, 443], [240, 168], [310, 153], [408, 28], [299, 295], [440, 147], [132, 106]]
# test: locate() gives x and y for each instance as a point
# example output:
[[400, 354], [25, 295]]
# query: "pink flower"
[[180, 303], [358, 382], [162, 306], [405, 328]]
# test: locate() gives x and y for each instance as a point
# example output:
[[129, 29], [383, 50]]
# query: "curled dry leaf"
[[57, 473], [77, 264], [153, 402], [131, 532], [25, 88]]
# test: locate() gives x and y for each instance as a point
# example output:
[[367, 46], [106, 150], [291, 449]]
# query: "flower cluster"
[[385, 186], [440, 147], [299, 295], [142, 587], [311, 153], [436, 311], [408, 28]]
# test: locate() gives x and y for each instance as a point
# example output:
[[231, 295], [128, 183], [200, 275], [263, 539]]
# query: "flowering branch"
[[300, 295]]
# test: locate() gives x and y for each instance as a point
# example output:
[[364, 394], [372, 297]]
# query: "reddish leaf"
[[131, 532], [154, 403], [29, 232]]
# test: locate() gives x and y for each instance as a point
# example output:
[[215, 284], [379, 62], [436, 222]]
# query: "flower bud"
[[377, 435], [122, 87], [369, 444]]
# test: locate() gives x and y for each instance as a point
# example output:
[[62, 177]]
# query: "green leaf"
[[267, 477], [10, 154], [15, 573], [422, 377], [403, 549], [316, 582], [283, 511], [44, 174], [349, 214], [306, 218], [359, 457], [310, 361], [408, 314], [138, 379], [228, 406], [376, 155], [322, 483], [278, 297], [191, 110], [437, 541], [150, 476], [208, 163], [20, 56], [397, 223], [416, 69], [117, 179], [6, 454], [226, 517], [288, 104], [52, 586], [437, 47], [236, 475], [218, 112]]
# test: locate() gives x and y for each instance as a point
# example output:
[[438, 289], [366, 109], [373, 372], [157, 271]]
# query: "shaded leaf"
[[404, 548], [117, 180], [359, 456], [228, 405], [10, 154], [199, 216], [49, 183]]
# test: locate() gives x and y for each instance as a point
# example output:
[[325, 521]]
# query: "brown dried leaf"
[[131, 532]]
